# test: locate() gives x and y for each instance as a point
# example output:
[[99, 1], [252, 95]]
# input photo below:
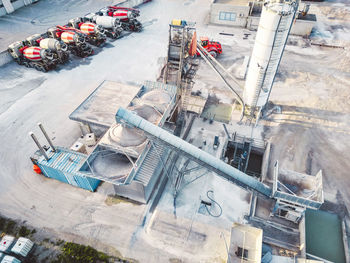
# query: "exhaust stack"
[[39, 145], [46, 136]]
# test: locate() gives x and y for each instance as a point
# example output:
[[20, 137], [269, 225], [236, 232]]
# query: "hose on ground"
[[211, 199]]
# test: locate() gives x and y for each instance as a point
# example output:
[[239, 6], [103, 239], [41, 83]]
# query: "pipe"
[[39, 146], [203, 158], [205, 56], [46, 136], [218, 64], [226, 131]]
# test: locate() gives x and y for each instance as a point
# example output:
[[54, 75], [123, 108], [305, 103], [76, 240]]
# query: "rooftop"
[[233, 2], [100, 106]]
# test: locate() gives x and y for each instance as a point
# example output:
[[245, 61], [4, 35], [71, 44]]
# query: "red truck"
[[213, 47]]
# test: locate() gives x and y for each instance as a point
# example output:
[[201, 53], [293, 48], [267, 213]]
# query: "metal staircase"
[[151, 163]]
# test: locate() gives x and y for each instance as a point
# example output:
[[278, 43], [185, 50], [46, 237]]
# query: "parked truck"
[[126, 16], [73, 38], [58, 48], [95, 34], [111, 25], [213, 47], [32, 57]]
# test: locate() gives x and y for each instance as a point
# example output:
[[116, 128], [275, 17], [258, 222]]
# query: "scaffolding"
[[181, 67]]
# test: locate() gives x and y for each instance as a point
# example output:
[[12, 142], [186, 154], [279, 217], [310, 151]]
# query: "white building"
[[9, 6], [246, 14]]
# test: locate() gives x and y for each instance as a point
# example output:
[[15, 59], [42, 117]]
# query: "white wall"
[[5, 58], [241, 12], [3, 11], [299, 28], [18, 4], [302, 27]]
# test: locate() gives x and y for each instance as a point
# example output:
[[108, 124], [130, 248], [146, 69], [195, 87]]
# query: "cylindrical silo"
[[274, 26]]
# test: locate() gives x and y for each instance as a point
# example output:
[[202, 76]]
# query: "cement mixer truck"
[[73, 38], [32, 57], [95, 33], [59, 48], [111, 25], [126, 16]]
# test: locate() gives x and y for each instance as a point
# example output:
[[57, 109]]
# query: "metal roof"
[[100, 106], [63, 160]]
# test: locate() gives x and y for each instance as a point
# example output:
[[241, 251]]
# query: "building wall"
[[18, 4], [2, 10], [253, 22], [14, 4], [5, 58], [231, 15], [302, 27], [242, 19], [134, 191]]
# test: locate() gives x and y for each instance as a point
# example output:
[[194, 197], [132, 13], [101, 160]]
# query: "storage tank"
[[274, 26], [88, 28], [34, 53], [106, 21], [50, 43]]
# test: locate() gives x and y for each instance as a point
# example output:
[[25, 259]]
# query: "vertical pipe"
[[46, 136], [39, 146]]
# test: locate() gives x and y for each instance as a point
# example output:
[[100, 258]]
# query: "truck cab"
[[213, 47]]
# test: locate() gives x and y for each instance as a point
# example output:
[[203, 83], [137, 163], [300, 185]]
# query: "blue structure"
[[63, 165]]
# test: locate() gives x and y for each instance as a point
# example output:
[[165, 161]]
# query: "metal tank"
[[274, 26], [34, 53], [122, 14], [106, 21], [50, 43], [69, 37]]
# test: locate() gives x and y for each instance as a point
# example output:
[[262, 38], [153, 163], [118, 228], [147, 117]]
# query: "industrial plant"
[[175, 131]]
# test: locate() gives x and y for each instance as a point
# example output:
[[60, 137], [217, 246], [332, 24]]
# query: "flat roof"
[[308, 17], [245, 244], [100, 106], [233, 2]]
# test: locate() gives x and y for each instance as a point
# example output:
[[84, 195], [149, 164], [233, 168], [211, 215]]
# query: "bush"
[[23, 231], [10, 227], [76, 253]]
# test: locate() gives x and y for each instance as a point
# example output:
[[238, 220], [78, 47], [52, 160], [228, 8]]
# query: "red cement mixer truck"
[[95, 34], [59, 48], [32, 57], [73, 38], [111, 25], [126, 16]]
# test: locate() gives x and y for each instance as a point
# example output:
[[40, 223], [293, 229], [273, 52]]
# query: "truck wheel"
[[213, 54]]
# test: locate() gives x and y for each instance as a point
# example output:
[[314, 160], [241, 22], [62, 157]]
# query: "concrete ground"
[[312, 132]]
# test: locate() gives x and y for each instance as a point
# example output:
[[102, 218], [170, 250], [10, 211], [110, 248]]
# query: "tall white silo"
[[274, 26]]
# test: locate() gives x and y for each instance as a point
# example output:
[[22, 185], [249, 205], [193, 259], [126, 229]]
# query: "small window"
[[222, 15], [242, 253], [227, 16]]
